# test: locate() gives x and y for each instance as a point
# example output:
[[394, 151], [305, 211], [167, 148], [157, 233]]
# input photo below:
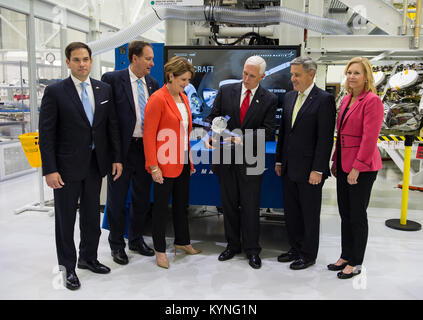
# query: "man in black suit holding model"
[[251, 109], [79, 144], [131, 89], [302, 159]]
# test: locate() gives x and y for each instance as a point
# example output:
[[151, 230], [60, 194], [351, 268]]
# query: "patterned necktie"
[[141, 102], [87, 103], [297, 107], [244, 105]]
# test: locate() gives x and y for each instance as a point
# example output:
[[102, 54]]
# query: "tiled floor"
[[392, 267]]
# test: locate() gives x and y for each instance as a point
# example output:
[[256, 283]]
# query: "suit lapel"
[[171, 103], [71, 91], [126, 82], [307, 103], [254, 105], [236, 94], [97, 100], [290, 110], [149, 85], [185, 100], [354, 106]]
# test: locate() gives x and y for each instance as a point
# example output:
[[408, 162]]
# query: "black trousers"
[[117, 192], [353, 201], [65, 205], [302, 202], [178, 188], [240, 195]]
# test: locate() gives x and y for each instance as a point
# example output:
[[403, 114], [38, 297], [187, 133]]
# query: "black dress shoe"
[[143, 249], [93, 266], [72, 281], [288, 257], [342, 275], [120, 257], [334, 267], [301, 264], [254, 261], [227, 254]]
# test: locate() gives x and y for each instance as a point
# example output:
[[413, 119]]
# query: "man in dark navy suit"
[[302, 159], [251, 109], [131, 89], [79, 144]]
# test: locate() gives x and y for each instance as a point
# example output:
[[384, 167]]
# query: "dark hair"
[[76, 45], [136, 47], [178, 66]]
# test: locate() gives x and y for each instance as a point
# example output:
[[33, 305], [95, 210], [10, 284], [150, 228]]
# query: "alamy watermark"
[[249, 147], [59, 280], [360, 281]]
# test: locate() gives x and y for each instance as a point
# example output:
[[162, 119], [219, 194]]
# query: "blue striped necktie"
[[141, 102]]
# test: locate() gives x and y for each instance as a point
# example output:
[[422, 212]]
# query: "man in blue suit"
[[79, 144], [302, 159], [131, 89]]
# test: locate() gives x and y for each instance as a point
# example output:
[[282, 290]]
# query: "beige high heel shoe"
[[188, 249], [161, 260]]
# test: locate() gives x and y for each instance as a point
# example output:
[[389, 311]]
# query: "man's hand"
[[54, 180], [235, 140], [208, 143], [315, 178], [116, 170], [278, 169]]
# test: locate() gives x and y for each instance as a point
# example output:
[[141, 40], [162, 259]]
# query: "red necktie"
[[244, 106]]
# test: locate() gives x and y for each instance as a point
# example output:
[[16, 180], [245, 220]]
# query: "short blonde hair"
[[368, 74], [177, 66]]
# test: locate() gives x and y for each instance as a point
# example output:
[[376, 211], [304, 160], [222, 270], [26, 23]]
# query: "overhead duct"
[[268, 15]]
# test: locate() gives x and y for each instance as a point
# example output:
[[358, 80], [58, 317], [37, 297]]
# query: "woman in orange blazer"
[[167, 127], [356, 161]]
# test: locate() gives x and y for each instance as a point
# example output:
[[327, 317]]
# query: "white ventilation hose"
[[221, 15]]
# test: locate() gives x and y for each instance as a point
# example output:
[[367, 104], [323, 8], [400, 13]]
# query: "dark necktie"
[[244, 105]]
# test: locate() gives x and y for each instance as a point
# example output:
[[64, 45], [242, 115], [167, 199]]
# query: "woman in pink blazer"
[[356, 161]]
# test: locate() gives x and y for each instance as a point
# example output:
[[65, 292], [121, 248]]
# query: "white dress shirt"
[[134, 84], [244, 93], [306, 93], [184, 113], [89, 87]]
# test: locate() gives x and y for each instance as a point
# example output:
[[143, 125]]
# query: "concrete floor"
[[392, 267]]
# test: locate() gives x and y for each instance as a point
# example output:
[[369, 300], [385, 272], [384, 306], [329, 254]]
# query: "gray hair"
[[307, 63], [257, 61]]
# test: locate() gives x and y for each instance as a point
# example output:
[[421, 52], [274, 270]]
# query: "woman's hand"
[[353, 176], [156, 174]]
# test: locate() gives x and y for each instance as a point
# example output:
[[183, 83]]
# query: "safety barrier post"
[[403, 224]]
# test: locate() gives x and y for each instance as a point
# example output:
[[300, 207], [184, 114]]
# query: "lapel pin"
[[257, 101], [97, 88]]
